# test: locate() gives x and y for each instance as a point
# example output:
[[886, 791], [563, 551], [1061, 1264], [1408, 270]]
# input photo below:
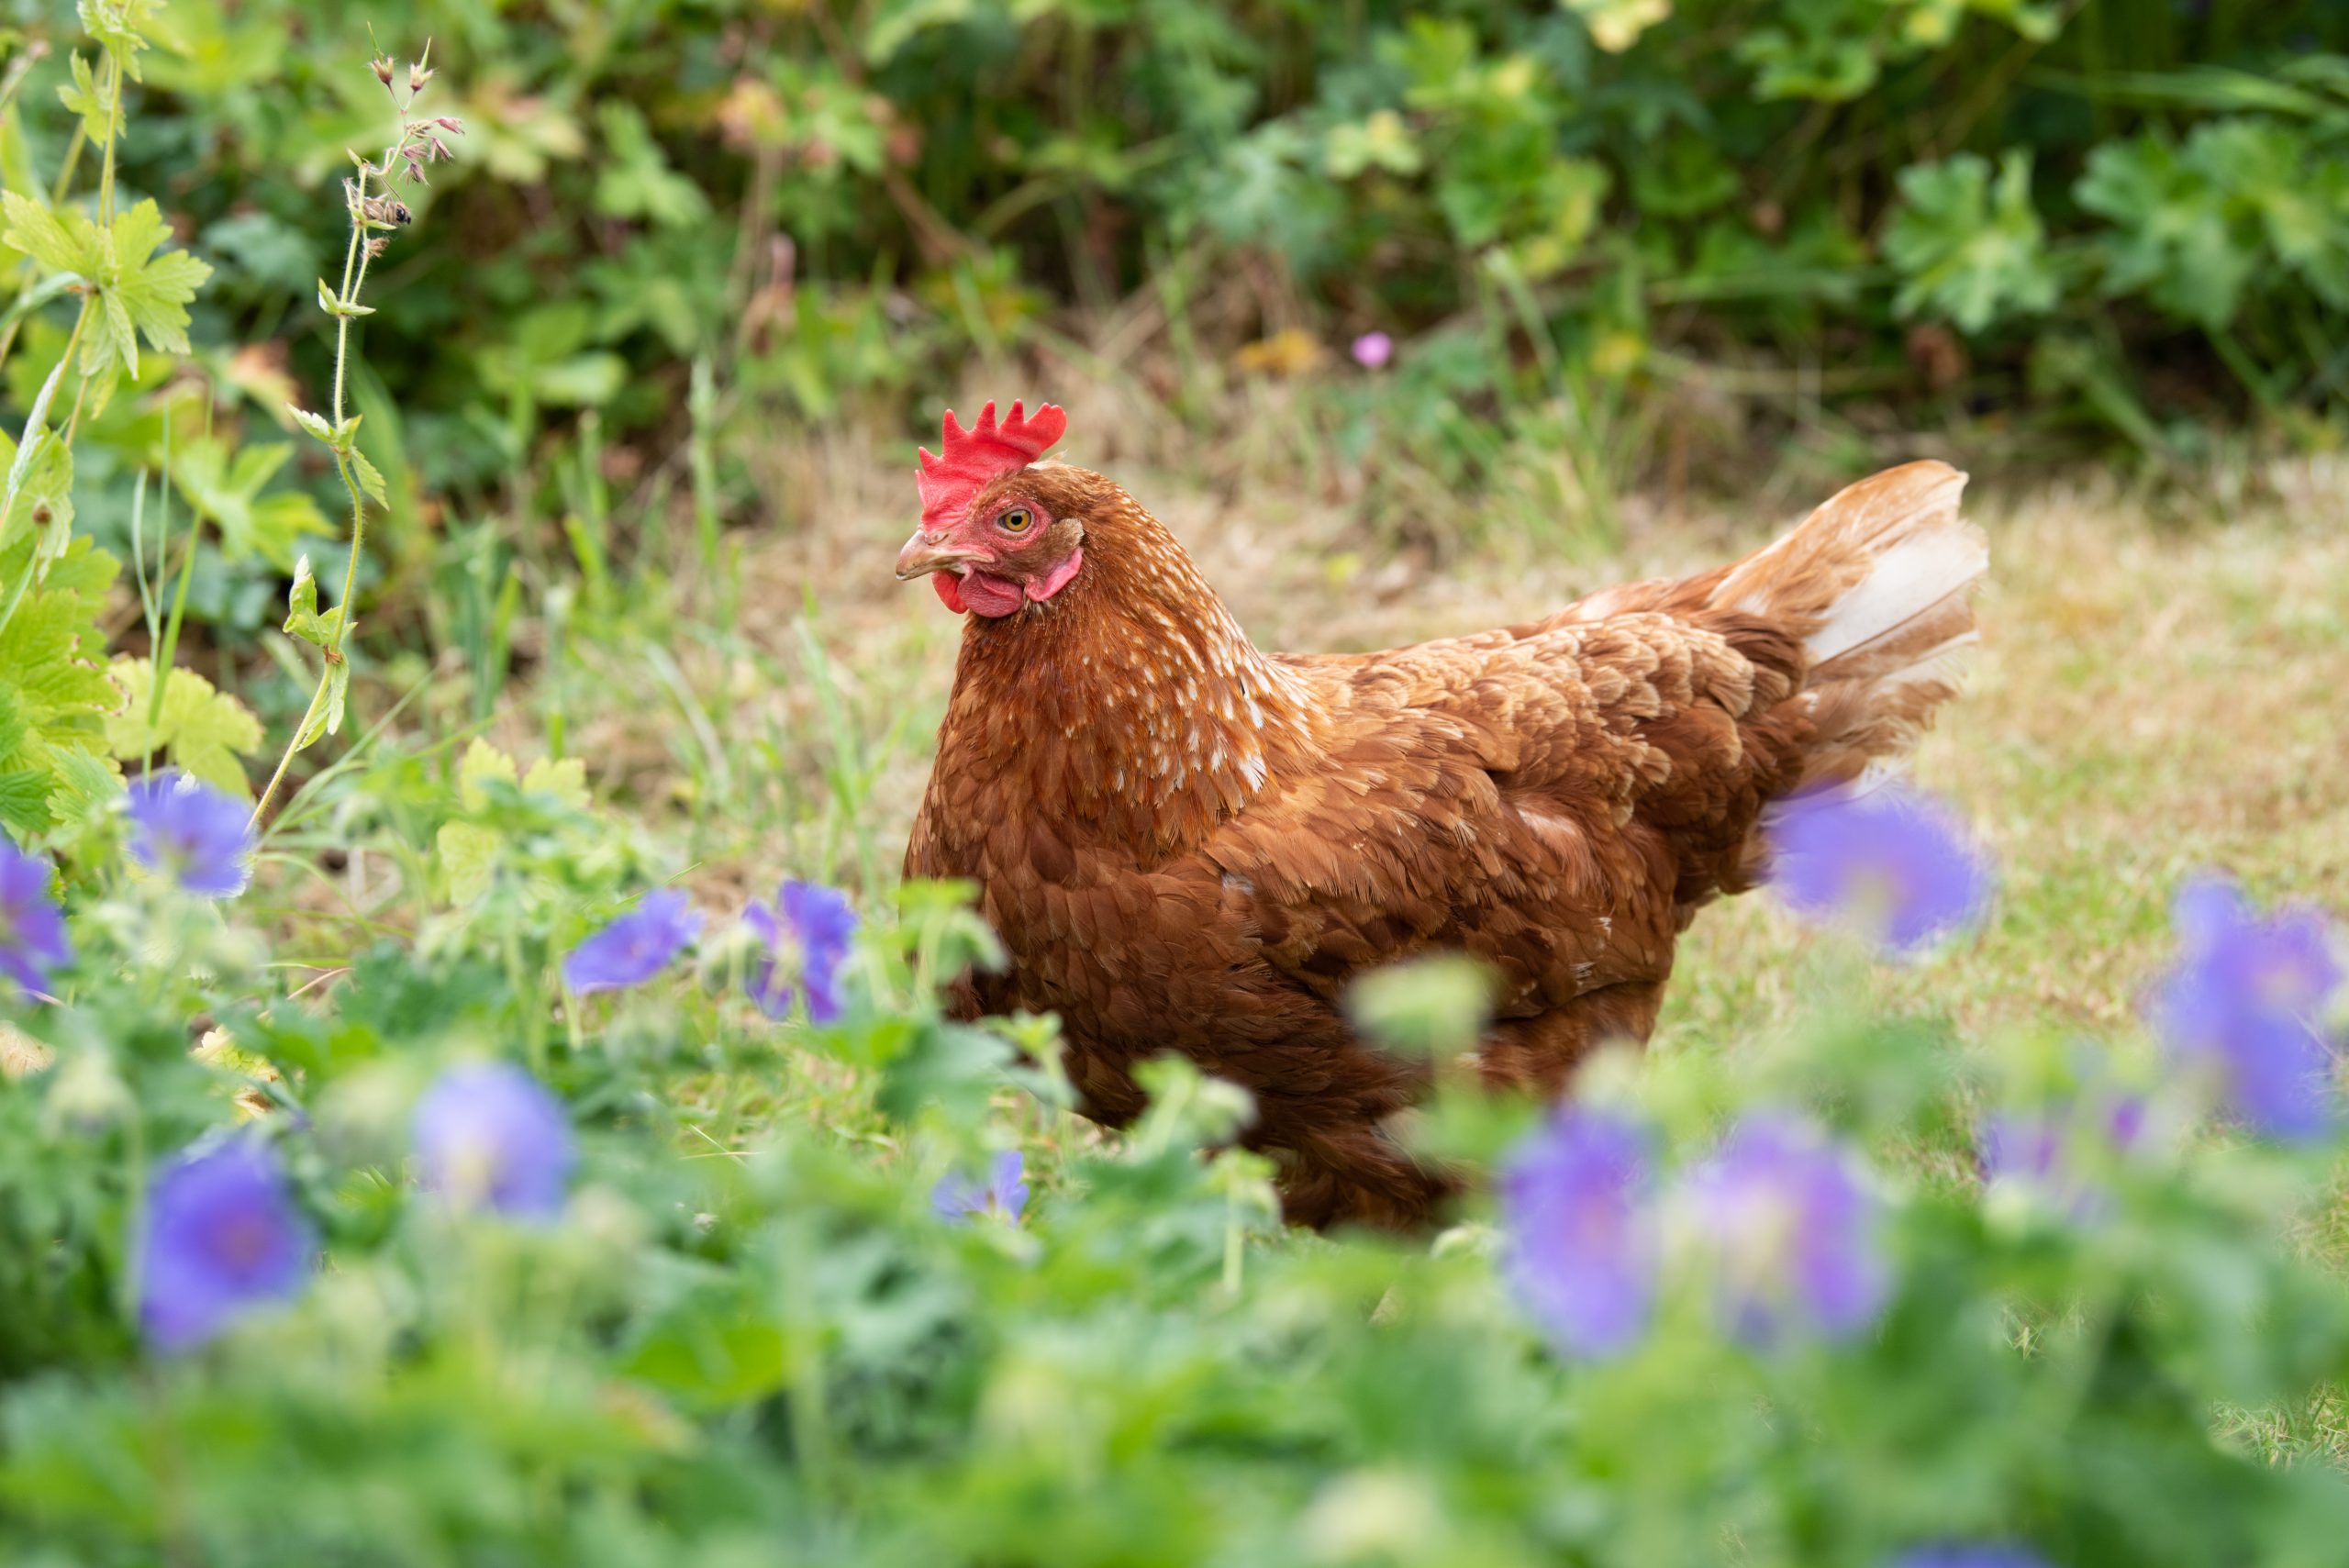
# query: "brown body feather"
[[1190, 845]]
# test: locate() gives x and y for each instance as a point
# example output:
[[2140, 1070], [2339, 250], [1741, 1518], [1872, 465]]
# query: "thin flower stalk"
[[374, 211]]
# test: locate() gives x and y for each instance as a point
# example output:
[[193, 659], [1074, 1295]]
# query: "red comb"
[[979, 454]]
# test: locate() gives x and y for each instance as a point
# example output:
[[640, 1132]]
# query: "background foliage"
[[1616, 239]]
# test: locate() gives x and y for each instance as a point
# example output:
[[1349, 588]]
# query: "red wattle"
[[990, 597], [950, 590]]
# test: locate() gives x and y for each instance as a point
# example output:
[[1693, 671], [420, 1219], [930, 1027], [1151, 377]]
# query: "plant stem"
[[354, 278], [285, 761]]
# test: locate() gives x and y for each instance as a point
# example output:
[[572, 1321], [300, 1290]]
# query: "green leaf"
[[635, 179], [565, 779], [2174, 238], [2300, 202], [338, 691], [896, 23], [1830, 55], [85, 98], [316, 424], [483, 765], [1427, 1007], [1616, 25], [468, 859], [719, 1357], [55, 691], [24, 799], [83, 782], [141, 294], [14, 728], [1968, 250], [44, 502], [327, 717], [64, 242], [229, 492], [122, 27], [586, 380], [302, 619], [371, 479], [204, 730], [1382, 141], [471, 852]]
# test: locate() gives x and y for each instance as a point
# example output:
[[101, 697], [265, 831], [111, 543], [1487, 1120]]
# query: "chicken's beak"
[[924, 553]]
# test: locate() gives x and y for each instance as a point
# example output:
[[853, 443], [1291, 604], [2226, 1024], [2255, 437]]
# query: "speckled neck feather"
[[1130, 702]]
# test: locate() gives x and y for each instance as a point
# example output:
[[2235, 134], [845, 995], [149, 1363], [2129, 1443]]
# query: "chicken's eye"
[[1016, 521]]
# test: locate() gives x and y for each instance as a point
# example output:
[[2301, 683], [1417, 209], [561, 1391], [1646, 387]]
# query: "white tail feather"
[[1916, 573], [1878, 584]]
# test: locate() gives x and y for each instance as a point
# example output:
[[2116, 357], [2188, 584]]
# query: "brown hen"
[[1188, 844]]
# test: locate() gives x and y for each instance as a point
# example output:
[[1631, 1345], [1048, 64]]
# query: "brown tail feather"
[[1880, 584]]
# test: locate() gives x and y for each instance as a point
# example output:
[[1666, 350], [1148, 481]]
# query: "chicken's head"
[[987, 542]]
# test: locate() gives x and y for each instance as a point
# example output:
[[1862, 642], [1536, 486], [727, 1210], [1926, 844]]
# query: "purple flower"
[[1970, 1554], [221, 1238], [2241, 1009], [1890, 861], [1372, 349], [1791, 1231], [809, 939], [489, 1135], [2051, 1153], [634, 948], [32, 932], [183, 829], [958, 1197], [1577, 1200]]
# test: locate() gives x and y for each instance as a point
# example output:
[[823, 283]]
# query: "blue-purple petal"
[[2243, 1008], [958, 1197], [1891, 859], [183, 829], [1576, 1202], [636, 947], [221, 1238], [1791, 1231], [488, 1135], [804, 941], [32, 928], [1970, 1554], [2053, 1153]]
